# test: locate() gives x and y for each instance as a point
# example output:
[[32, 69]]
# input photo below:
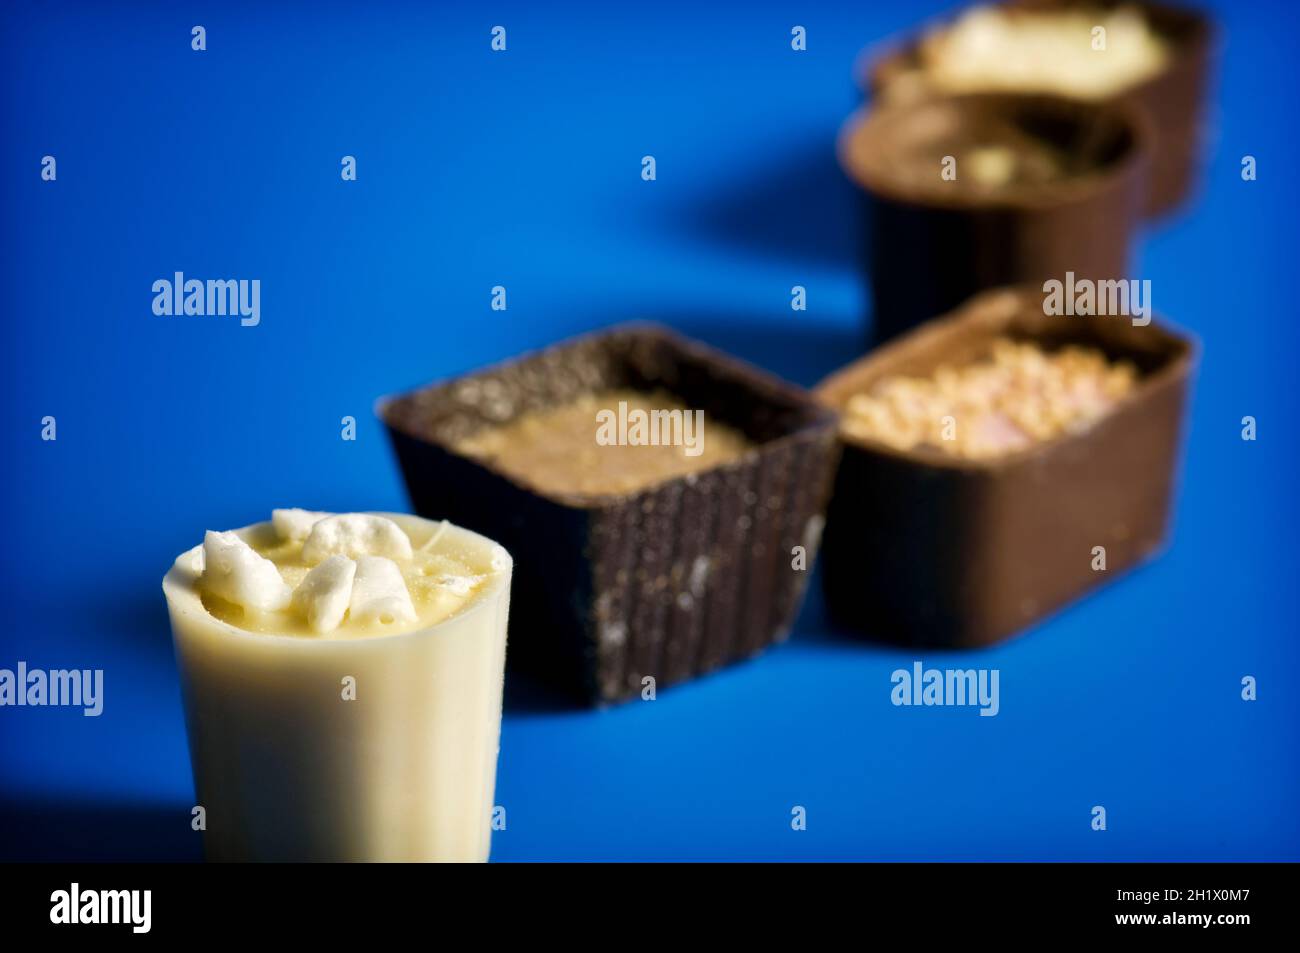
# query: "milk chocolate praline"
[[933, 239], [926, 548]]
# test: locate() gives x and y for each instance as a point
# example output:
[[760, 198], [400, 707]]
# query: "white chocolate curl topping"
[[341, 575], [295, 525], [379, 593], [324, 594], [233, 571], [354, 535]]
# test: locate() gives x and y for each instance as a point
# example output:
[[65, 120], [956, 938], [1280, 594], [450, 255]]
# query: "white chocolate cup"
[[287, 769]]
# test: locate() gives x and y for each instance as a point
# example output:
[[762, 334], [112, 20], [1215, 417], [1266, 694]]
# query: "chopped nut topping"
[[1017, 396]]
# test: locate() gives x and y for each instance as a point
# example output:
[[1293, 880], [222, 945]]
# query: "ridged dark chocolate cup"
[[1173, 101], [922, 548], [931, 245], [670, 582]]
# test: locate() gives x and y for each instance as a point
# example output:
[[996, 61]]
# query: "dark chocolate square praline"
[[668, 582]]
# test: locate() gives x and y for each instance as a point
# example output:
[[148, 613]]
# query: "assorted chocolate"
[[992, 462]]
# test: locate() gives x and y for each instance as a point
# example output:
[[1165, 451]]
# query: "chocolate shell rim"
[[1038, 197]]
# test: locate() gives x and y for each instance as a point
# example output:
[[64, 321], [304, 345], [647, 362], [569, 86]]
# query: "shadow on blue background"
[[522, 169], [793, 206]]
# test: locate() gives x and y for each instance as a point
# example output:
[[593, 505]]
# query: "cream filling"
[[1090, 54]]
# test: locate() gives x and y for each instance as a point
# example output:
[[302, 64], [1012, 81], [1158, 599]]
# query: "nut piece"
[[1017, 396]]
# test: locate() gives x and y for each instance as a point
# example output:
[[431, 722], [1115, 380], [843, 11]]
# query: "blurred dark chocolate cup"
[[1173, 100], [923, 548], [1064, 195], [667, 582]]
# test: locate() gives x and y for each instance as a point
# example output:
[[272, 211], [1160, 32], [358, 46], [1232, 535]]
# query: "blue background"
[[523, 169]]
